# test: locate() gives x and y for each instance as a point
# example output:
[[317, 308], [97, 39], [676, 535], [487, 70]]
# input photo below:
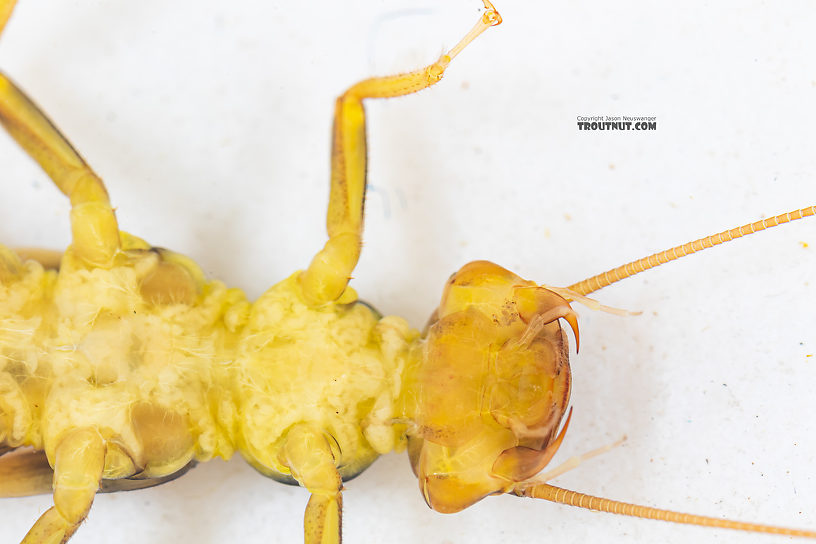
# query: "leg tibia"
[[35, 133]]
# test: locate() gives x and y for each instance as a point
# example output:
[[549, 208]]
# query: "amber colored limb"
[[78, 465], [6, 7], [25, 472], [94, 227], [609, 277], [327, 276], [572, 498], [308, 454]]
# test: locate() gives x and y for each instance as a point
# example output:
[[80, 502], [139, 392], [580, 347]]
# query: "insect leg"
[[79, 460], [327, 276], [6, 7], [93, 224], [308, 454], [25, 472]]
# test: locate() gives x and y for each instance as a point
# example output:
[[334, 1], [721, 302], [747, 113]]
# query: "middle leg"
[[327, 276]]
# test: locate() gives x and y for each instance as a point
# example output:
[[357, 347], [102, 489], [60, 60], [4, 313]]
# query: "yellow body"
[[97, 351], [129, 363], [168, 368], [169, 382]]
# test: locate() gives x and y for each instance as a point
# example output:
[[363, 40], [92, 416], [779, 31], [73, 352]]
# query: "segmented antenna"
[[572, 498], [609, 277]]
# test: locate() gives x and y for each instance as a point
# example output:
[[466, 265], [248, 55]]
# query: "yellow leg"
[[79, 462], [93, 224], [6, 7], [327, 276], [25, 472], [308, 454], [322, 521]]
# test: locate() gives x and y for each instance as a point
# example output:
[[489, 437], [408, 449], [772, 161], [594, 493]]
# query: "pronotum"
[[710, 384]]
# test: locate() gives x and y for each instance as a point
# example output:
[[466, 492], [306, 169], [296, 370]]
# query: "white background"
[[210, 123]]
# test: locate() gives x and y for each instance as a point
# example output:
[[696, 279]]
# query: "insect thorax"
[[167, 381], [336, 368]]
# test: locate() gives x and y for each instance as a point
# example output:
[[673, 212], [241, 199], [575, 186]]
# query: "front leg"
[[308, 454], [78, 465]]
